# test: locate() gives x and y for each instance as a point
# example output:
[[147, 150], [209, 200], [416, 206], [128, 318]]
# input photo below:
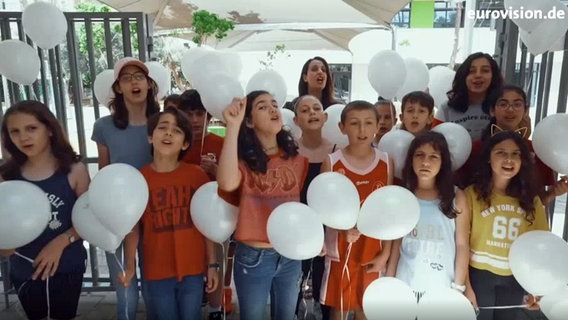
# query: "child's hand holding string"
[[47, 261], [352, 235], [124, 278], [235, 112], [212, 279]]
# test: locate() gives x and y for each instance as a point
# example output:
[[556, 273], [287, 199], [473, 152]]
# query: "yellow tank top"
[[495, 227]]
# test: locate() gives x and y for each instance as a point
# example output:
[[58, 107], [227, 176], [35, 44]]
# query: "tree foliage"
[[206, 24]]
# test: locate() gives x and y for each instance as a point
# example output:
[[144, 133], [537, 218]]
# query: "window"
[[341, 80], [402, 18]]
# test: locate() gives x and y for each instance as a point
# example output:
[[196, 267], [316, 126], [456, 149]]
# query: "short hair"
[[381, 102], [423, 98], [174, 98], [191, 100], [182, 122], [358, 105]]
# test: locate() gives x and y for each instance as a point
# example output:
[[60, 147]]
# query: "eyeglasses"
[[503, 104], [128, 77]]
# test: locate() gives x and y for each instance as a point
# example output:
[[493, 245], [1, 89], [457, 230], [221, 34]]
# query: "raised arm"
[[228, 174]]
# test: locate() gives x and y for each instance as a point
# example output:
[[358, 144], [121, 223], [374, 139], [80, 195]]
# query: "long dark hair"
[[444, 180], [119, 112], [327, 98], [250, 150], [522, 186], [487, 131], [60, 147], [459, 96]]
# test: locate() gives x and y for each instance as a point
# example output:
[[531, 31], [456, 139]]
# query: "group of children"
[[461, 240]]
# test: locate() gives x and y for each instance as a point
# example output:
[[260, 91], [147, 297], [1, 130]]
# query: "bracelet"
[[460, 288], [215, 265]]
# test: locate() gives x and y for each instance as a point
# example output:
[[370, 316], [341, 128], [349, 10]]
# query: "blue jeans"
[[173, 299], [127, 298], [260, 272]]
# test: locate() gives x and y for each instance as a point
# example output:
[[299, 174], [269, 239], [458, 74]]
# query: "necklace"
[[269, 149]]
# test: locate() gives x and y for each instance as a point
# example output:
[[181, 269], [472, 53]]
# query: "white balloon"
[[554, 302], [389, 213], [445, 304], [214, 217], [441, 79], [25, 213], [18, 62], [386, 73], [552, 151], [396, 143], [331, 130], [289, 124], [417, 79], [271, 81], [217, 91], [295, 231], [233, 63], [102, 87], [335, 198], [459, 142], [90, 228], [189, 57], [162, 76], [45, 24], [554, 29], [528, 6], [538, 260], [118, 196], [389, 298], [204, 66]]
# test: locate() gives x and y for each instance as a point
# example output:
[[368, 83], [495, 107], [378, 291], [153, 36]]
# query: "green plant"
[[271, 56], [206, 24]]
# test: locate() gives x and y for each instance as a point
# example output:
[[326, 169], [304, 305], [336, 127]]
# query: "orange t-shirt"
[[260, 193], [172, 246], [212, 144]]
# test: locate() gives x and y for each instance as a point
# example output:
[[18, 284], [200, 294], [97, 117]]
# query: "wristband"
[[460, 288], [215, 265]]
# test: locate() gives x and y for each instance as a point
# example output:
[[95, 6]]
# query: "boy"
[[417, 112], [174, 278], [369, 169]]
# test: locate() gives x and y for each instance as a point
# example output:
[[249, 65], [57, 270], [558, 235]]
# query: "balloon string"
[[346, 271], [503, 307], [46, 284], [126, 290], [305, 288], [203, 134], [224, 263]]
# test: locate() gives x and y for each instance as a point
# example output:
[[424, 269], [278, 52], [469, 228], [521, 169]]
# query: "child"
[[41, 154], [173, 100], [369, 169], [435, 254], [121, 138], [260, 169], [477, 85], [310, 118], [504, 204], [509, 113], [387, 119], [204, 152], [417, 112], [174, 277]]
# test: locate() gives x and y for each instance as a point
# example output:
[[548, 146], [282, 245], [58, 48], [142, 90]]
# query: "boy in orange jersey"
[[174, 277], [369, 169]]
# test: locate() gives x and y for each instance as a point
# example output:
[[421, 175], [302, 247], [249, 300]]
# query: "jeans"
[[126, 298], [495, 290], [260, 272], [173, 299]]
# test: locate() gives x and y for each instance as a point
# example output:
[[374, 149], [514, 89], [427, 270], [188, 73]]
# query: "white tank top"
[[428, 252]]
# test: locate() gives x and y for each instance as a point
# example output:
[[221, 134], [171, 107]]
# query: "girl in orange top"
[[369, 169], [176, 255], [259, 169]]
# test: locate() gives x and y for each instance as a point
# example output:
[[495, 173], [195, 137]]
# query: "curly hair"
[[459, 97], [59, 144], [444, 180], [522, 186], [249, 147]]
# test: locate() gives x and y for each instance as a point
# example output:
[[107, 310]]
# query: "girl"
[[121, 138], [504, 204], [387, 119], [417, 112], [310, 117], [509, 113], [368, 169], [436, 253], [316, 80], [174, 278], [259, 169], [477, 85], [41, 154]]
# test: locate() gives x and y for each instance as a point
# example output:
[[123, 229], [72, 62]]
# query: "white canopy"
[[262, 24]]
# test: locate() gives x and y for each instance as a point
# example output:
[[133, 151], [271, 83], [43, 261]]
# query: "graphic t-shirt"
[[474, 120]]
